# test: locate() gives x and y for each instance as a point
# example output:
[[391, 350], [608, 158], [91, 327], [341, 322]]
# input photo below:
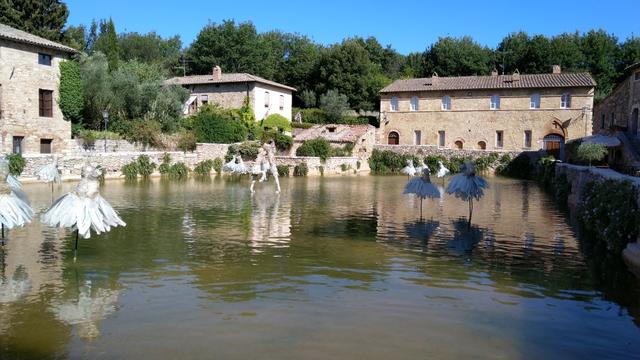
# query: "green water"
[[332, 268]]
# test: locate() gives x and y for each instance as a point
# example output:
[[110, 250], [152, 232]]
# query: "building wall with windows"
[[268, 100], [620, 109], [486, 119], [30, 119]]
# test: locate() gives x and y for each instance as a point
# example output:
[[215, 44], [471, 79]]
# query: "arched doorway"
[[481, 145], [634, 122], [459, 145], [393, 138], [554, 145]]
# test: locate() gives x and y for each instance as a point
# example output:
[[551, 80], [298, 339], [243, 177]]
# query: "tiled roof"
[[224, 79], [9, 33], [492, 82], [341, 134]]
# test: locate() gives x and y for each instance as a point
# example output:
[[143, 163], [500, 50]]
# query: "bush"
[[455, 163], [388, 162], [248, 150], [317, 147], [312, 116], [178, 170], [358, 165], [591, 152], [283, 142], [321, 170], [145, 166], [301, 125], [334, 104], [283, 170], [16, 164], [308, 98], [610, 213], [146, 132], [217, 165], [187, 141], [203, 168], [344, 167], [301, 169], [211, 125], [276, 122], [353, 120], [165, 166], [130, 170], [345, 150], [520, 167], [71, 98]]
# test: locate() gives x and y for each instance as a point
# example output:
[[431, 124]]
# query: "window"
[[499, 138], [527, 138], [45, 103], [394, 104], [418, 137], [535, 101], [281, 102], [481, 145], [441, 138], [495, 102], [45, 146], [204, 99], [394, 138], [446, 102], [44, 59], [17, 144], [415, 103], [603, 121], [266, 99], [331, 129], [565, 101], [459, 144]]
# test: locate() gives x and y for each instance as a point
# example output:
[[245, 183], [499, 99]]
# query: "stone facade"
[[426, 150], [21, 79], [471, 123], [620, 109]]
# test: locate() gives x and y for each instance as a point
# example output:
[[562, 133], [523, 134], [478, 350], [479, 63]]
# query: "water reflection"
[[321, 268]]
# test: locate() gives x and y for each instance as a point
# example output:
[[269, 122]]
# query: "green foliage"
[[313, 116], [344, 167], [217, 165], [610, 214], [301, 125], [388, 162], [345, 150], [358, 165], [545, 171], [247, 149], [71, 98], [321, 170], [455, 164], [146, 133], [204, 167], [150, 48], [213, 126], [45, 18], [107, 43], [276, 122], [457, 57], [591, 152], [16, 164], [520, 167], [187, 141], [165, 165], [334, 104], [316, 147], [283, 170], [130, 170], [308, 98], [178, 171], [145, 166], [301, 169]]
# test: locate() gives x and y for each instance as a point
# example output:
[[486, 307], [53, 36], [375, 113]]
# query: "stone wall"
[[332, 166], [617, 109], [426, 150], [21, 79]]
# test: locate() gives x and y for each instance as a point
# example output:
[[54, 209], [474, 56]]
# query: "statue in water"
[[265, 162]]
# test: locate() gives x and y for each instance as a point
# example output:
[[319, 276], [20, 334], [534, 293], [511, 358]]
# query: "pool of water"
[[339, 268]]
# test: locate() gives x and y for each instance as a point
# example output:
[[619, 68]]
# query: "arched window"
[[415, 104], [495, 102], [394, 104], [446, 102], [482, 145], [535, 101], [459, 144], [393, 138]]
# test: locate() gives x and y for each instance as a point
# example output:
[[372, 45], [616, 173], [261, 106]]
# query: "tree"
[[630, 53], [71, 95], [150, 48], [458, 57], [601, 52], [75, 37], [591, 152], [107, 43], [308, 99], [96, 83], [566, 51], [334, 104], [44, 18]]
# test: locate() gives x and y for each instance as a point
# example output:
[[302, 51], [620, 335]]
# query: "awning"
[[185, 107], [608, 141]]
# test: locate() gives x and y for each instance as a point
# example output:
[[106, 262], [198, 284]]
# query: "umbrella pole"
[[2, 234], [420, 208], [75, 249], [470, 212], [52, 192]]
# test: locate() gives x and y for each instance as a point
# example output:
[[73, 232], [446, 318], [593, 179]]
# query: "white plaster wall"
[[261, 111]]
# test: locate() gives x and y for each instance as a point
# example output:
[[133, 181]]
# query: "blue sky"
[[408, 25]]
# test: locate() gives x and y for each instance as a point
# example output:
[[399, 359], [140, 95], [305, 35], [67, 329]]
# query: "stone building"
[[30, 119], [496, 112], [619, 110], [361, 136], [230, 90]]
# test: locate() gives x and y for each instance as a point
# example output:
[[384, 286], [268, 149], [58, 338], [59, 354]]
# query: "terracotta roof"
[[224, 79], [341, 134], [13, 34], [492, 82]]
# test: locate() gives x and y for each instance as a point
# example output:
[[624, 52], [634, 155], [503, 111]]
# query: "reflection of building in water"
[[91, 306], [12, 289], [270, 220]]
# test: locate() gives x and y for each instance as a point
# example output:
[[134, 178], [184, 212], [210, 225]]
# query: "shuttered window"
[[46, 103]]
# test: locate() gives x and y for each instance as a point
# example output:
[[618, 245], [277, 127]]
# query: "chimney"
[[556, 69], [217, 73], [494, 72], [515, 76], [434, 79]]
